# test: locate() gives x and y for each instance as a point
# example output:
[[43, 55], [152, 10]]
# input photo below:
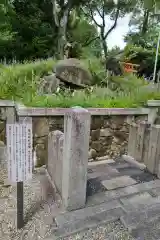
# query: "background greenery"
[[29, 47]]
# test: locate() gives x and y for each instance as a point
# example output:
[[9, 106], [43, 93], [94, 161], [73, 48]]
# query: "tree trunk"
[[145, 22], [62, 26]]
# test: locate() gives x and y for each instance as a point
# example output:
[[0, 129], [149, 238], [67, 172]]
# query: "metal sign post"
[[19, 150]]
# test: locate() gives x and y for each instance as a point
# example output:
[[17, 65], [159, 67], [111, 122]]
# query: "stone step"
[[135, 219], [139, 202], [88, 212], [122, 192], [87, 221], [150, 231]]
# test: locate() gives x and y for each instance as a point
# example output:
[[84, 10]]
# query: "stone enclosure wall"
[[108, 134]]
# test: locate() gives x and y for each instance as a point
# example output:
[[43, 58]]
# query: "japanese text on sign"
[[19, 152]]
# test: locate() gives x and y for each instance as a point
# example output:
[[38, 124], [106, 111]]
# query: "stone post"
[[132, 139], [154, 150], [140, 142], [75, 158], [54, 163], [146, 144]]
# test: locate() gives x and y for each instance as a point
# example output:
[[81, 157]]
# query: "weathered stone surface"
[[92, 154], [40, 133], [113, 146], [140, 218], [55, 155], [75, 158], [103, 231], [140, 142], [156, 191], [89, 221], [141, 204], [48, 85], [153, 150], [150, 231], [96, 145], [101, 161], [73, 70], [123, 192], [41, 155], [85, 213], [133, 162], [40, 127], [102, 171], [106, 132], [136, 199], [118, 182], [132, 140], [95, 134]]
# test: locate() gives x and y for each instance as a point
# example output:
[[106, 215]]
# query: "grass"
[[19, 82]]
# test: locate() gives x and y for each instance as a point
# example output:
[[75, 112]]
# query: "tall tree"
[[103, 8]]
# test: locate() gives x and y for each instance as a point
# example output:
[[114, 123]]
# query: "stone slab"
[[130, 171], [139, 218], [155, 192], [118, 182], [89, 222], [99, 162], [135, 199], [148, 233], [123, 192], [102, 170], [120, 165], [79, 215], [133, 162], [153, 151], [143, 177], [141, 205]]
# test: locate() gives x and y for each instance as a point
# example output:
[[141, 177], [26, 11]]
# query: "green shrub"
[[19, 82]]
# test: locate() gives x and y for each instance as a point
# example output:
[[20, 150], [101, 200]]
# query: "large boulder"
[[73, 70]]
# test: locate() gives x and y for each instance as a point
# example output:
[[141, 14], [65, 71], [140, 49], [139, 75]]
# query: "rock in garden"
[[73, 70], [95, 134], [48, 85], [92, 154], [106, 132]]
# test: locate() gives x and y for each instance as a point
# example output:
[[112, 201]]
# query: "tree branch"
[[87, 43], [92, 16], [100, 14], [115, 23]]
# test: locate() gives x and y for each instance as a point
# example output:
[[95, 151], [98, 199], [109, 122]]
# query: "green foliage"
[[19, 82]]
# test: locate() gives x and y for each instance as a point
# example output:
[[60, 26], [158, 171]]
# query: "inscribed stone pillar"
[[140, 142], [75, 158], [146, 144], [132, 139], [54, 165], [154, 150]]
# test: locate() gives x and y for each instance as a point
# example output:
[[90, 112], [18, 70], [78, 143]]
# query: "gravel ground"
[[109, 231], [39, 209]]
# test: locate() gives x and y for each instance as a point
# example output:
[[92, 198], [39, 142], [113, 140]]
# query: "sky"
[[116, 37]]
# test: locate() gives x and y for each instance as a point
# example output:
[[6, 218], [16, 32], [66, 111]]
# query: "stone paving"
[[124, 211]]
